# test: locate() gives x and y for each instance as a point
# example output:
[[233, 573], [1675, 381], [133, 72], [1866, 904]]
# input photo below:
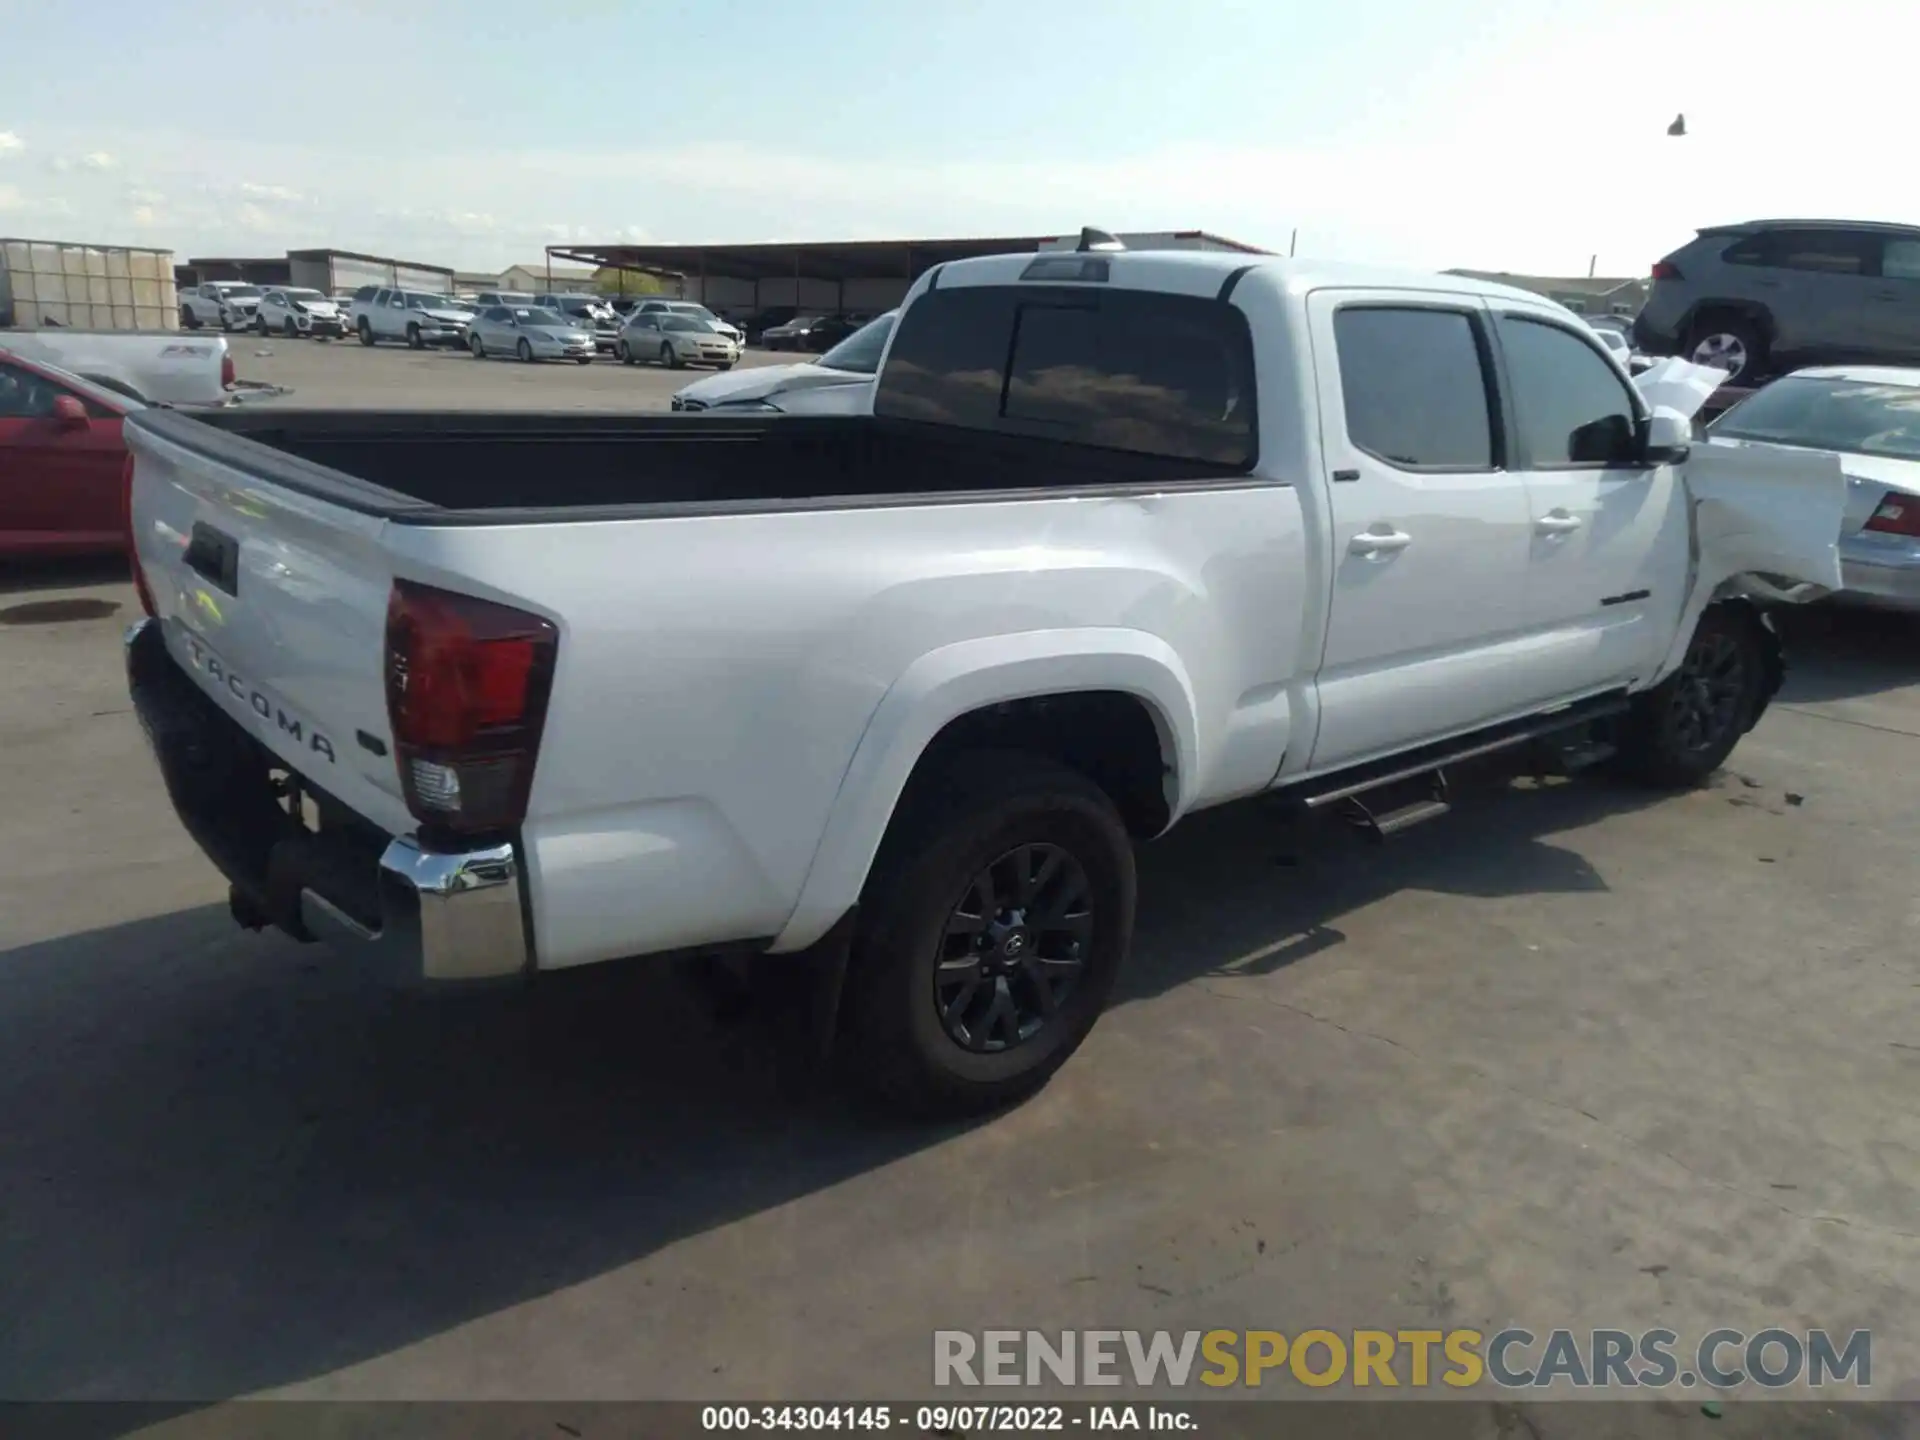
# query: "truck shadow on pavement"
[[230, 1163]]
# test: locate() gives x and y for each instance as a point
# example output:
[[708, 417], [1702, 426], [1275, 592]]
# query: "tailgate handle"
[[215, 555]]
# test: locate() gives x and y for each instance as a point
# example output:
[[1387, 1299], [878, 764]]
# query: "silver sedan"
[[675, 340], [528, 332], [1870, 417]]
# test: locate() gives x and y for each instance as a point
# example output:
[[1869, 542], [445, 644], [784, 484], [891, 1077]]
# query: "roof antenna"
[[1092, 239]]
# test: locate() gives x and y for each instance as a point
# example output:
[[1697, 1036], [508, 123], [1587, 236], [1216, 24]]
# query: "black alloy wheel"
[[1707, 701], [1014, 948]]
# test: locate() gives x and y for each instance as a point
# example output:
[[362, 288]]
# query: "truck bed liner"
[[424, 467]]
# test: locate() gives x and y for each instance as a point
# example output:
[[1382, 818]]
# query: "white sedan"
[[1870, 417], [840, 382]]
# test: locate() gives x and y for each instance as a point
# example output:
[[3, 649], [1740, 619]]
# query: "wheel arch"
[[1751, 310], [949, 696]]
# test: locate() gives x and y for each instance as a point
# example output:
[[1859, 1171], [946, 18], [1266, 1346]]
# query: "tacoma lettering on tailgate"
[[218, 671]]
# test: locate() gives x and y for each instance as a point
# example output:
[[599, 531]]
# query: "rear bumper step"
[[416, 913]]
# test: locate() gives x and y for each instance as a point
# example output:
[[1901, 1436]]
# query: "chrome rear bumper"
[[414, 912]]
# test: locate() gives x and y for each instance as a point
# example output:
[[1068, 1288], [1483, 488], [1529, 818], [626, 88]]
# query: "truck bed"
[[424, 467]]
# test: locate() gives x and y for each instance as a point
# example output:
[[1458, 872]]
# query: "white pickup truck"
[[155, 367], [1127, 535]]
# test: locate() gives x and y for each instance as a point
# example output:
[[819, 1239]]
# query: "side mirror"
[[69, 413], [1610, 440], [1669, 438]]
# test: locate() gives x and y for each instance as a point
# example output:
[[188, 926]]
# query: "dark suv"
[[1772, 295]]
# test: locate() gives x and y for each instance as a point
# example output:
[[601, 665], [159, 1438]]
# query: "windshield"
[[1856, 417], [240, 292], [859, 353], [685, 322], [303, 295], [430, 302], [541, 317]]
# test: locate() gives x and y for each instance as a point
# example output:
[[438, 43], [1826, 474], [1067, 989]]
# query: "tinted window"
[[1416, 389], [1901, 260], [498, 315], [1164, 375], [24, 395], [365, 293], [1571, 406], [1832, 252]]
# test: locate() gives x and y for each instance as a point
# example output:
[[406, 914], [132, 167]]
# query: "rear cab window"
[[1142, 372]]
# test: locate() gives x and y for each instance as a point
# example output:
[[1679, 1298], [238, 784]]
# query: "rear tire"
[[187, 319], [1682, 730], [366, 331], [583, 360], [939, 998], [1732, 342]]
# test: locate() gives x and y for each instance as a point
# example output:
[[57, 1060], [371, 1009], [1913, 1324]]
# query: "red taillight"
[[467, 687], [1665, 270], [1896, 515], [227, 373], [126, 529]]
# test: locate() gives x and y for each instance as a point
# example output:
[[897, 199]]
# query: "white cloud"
[[140, 195], [98, 160], [10, 143], [15, 201], [270, 192]]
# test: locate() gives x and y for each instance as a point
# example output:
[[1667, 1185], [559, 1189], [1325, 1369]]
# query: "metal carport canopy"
[[831, 260]]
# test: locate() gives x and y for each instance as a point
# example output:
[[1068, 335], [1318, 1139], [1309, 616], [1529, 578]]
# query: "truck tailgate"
[[274, 602]]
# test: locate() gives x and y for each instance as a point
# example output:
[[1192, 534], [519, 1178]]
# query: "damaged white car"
[[1124, 536]]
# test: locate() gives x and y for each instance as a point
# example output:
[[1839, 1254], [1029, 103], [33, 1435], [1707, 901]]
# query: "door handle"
[[1379, 542], [1557, 523]]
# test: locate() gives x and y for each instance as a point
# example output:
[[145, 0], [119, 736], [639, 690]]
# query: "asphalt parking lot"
[[344, 372], [1576, 1055]]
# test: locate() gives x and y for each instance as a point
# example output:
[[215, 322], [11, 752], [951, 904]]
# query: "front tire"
[[415, 341], [670, 357], [622, 353], [293, 330], [366, 331], [1682, 730], [991, 930], [188, 321], [524, 350], [477, 347]]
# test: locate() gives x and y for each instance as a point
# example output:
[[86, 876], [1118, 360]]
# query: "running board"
[[1327, 790], [1378, 827]]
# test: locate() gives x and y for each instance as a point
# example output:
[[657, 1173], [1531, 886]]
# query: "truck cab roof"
[[1205, 272]]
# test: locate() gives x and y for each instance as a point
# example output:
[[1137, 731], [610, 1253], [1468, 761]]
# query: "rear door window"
[[1414, 381], [1151, 374]]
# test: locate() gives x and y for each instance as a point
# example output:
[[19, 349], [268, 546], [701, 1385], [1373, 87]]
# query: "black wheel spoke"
[[1014, 948]]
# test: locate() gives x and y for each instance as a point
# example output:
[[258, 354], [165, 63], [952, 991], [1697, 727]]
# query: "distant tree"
[[613, 280]]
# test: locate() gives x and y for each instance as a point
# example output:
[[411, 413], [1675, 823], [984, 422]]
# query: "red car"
[[62, 462]]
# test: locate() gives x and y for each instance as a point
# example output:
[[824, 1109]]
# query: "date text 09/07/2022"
[[948, 1419]]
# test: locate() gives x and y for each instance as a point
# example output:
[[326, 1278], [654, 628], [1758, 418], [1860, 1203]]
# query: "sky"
[[1520, 135]]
